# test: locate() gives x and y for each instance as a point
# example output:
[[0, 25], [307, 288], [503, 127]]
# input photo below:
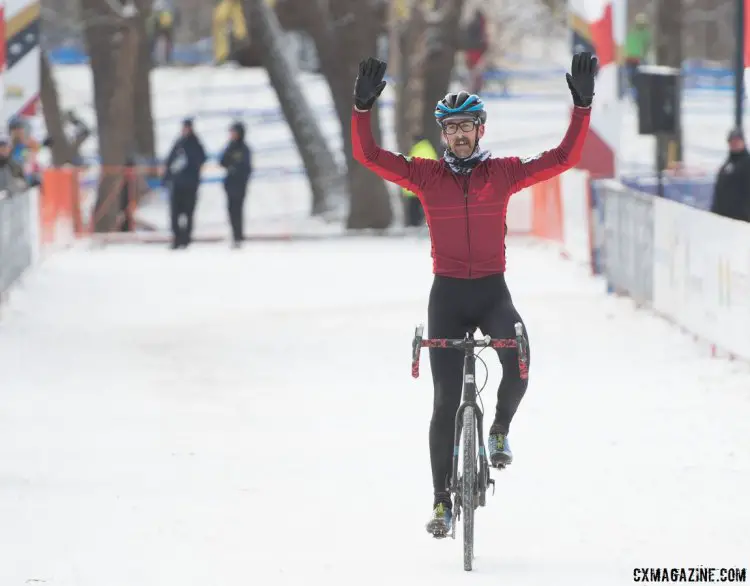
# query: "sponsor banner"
[[702, 274]]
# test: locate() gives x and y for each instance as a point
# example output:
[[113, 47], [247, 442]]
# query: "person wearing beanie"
[[237, 160], [183, 177], [732, 187]]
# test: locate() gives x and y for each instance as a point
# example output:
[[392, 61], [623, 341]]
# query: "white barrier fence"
[[686, 264], [18, 236], [702, 274]]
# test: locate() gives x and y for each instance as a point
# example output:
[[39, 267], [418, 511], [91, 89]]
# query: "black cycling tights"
[[458, 306]]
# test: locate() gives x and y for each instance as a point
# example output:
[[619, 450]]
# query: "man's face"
[[736, 145], [461, 136]]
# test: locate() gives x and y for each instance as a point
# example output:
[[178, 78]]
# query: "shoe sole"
[[500, 462], [437, 529]]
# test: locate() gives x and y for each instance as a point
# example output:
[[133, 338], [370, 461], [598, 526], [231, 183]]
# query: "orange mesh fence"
[[100, 201], [104, 202], [547, 210]]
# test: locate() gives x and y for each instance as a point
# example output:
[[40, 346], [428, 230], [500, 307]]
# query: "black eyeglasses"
[[464, 125]]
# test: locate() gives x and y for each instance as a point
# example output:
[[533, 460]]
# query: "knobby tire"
[[468, 484]]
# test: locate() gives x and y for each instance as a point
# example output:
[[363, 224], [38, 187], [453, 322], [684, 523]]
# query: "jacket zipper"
[[466, 204]]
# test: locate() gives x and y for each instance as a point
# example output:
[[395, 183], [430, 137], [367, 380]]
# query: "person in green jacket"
[[413, 212], [637, 46]]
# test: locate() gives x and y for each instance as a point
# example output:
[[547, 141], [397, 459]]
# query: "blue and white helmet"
[[460, 105]]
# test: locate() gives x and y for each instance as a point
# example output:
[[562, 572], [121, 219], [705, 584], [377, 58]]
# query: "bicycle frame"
[[470, 491], [469, 394]]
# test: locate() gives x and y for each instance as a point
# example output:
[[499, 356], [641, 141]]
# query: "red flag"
[[602, 37]]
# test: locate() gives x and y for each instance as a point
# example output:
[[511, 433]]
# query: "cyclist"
[[465, 196]]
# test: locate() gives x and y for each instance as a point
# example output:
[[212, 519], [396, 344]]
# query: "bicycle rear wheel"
[[468, 484]]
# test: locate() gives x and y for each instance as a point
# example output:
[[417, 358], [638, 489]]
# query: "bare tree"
[[409, 53], [195, 20], [326, 181], [63, 151], [669, 53], [112, 42], [438, 71], [707, 26], [144, 119], [345, 32]]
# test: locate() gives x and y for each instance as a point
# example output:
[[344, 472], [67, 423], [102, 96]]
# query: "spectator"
[[414, 215], [183, 176], [637, 46], [732, 187], [237, 160], [24, 150], [476, 44], [161, 26], [12, 177]]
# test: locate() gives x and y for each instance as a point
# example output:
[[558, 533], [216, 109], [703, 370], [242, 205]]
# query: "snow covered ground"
[[216, 417], [248, 417]]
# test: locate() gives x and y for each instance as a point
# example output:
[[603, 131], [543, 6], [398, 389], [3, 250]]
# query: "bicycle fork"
[[483, 468]]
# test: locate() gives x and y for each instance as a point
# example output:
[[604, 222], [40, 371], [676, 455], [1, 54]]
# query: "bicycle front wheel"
[[468, 484]]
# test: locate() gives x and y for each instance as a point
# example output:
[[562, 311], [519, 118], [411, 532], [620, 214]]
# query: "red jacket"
[[466, 213]]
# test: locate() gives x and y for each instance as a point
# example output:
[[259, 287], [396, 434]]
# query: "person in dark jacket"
[[237, 160], [732, 187], [183, 176]]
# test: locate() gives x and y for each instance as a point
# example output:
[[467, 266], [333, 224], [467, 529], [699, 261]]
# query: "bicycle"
[[469, 489]]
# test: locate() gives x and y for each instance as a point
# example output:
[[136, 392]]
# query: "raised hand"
[[583, 71], [369, 84]]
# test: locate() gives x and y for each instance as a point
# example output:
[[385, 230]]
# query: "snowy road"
[[210, 418]]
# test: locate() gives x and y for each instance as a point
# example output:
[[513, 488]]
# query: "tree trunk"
[[414, 88], [343, 36], [669, 53], [404, 46], [63, 153], [144, 120], [413, 52], [444, 40], [100, 32], [326, 181], [113, 48]]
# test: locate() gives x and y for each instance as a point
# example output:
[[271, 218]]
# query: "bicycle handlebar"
[[469, 343]]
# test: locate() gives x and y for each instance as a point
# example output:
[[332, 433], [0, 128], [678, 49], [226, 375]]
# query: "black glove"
[[369, 84], [581, 78]]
